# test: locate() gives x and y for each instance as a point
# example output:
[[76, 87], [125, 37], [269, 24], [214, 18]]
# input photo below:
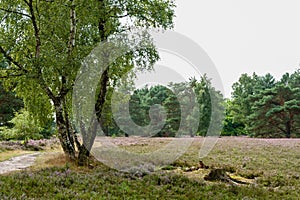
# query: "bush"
[[49, 130], [24, 127]]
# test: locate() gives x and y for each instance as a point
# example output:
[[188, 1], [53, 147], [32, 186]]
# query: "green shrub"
[[49, 130], [23, 127]]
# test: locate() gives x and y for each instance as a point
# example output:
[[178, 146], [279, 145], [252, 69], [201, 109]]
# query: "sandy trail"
[[18, 163]]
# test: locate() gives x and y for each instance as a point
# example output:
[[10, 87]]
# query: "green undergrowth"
[[64, 183], [270, 166]]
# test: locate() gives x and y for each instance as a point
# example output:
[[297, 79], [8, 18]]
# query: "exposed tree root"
[[221, 175], [201, 165]]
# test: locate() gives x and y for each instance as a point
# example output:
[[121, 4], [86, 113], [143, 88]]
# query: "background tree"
[[146, 98], [176, 99], [211, 105], [276, 110], [188, 118], [230, 126], [243, 90], [9, 104], [268, 108], [241, 106], [24, 127], [44, 43]]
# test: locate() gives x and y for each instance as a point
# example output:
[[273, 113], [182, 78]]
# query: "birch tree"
[[44, 41]]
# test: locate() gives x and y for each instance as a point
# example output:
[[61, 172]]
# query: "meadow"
[[269, 168]]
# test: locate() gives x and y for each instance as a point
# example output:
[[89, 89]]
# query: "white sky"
[[244, 36]]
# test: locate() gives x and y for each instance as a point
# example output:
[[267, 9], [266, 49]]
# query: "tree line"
[[188, 108], [260, 107], [264, 107]]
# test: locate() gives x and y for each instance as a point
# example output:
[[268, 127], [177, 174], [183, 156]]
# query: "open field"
[[269, 167]]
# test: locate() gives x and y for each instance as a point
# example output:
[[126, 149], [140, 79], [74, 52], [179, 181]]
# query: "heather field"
[[149, 99], [267, 169]]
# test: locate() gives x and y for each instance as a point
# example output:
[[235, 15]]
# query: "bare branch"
[[16, 12]]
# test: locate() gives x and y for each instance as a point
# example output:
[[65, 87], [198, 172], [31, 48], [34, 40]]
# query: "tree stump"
[[221, 175], [217, 175]]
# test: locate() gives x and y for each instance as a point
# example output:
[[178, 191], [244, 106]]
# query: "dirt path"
[[18, 163]]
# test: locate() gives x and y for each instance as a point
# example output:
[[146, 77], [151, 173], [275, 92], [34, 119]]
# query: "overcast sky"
[[244, 36]]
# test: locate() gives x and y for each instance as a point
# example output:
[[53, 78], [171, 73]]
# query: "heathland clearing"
[[270, 167]]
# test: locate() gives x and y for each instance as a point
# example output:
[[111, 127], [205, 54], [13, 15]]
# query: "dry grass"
[[6, 155], [50, 159], [57, 159]]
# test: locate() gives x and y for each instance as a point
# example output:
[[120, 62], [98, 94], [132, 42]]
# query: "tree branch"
[[71, 44], [4, 17], [10, 76], [72, 36], [9, 58], [119, 16], [277, 125], [27, 3], [16, 12], [38, 47], [35, 27], [46, 88]]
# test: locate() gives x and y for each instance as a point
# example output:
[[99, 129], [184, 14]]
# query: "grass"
[[6, 155], [54, 158], [271, 166]]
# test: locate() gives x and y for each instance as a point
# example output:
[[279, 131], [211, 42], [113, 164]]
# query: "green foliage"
[[61, 183], [265, 107], [42, 55], [241, 106], [9, 104], [211, 104], [275, 112], [24, 127], [48, 130], [183, 103], [142, 104], [230, 126], [45, 42]]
